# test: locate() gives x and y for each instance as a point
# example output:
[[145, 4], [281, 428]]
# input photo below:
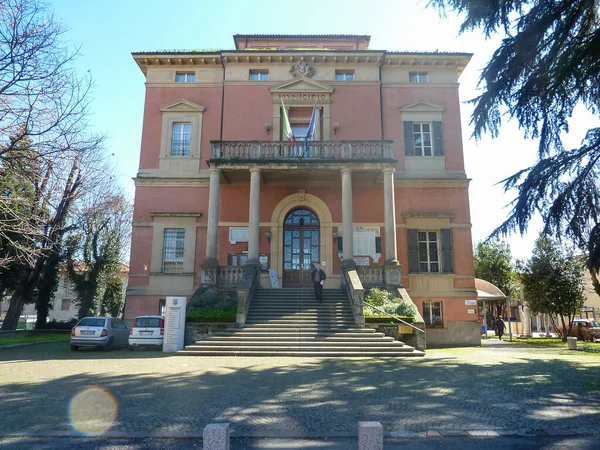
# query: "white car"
[[147, 330]]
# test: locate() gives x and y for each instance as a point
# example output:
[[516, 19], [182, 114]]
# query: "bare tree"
[[43, 106]]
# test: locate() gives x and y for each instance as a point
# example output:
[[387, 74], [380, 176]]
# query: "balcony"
[[314, 152]]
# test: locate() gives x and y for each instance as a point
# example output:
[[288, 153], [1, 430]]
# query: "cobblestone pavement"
[[494, 390]]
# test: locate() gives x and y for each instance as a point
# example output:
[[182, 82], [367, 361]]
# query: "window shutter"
[[413, 251], [409, 141], [438, 141], [447, 254]]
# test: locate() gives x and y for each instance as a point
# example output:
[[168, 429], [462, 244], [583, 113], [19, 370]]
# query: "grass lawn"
[[37, 338], [585, 346]]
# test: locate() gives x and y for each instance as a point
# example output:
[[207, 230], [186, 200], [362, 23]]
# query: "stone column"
[[254, 216], [391, 252], [212, 231], [347, 223]]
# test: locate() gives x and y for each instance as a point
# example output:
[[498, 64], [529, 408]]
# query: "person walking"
[[318, 277], [500, 327]]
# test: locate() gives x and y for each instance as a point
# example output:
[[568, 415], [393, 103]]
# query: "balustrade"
[[229, 151]]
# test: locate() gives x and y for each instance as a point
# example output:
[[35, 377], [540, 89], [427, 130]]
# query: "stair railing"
[[245, 290], [393, 317], [355, 291]]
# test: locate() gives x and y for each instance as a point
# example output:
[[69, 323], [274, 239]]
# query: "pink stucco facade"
[[234, 97]]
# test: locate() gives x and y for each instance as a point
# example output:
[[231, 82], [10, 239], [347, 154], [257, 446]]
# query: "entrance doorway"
[[301, 245]]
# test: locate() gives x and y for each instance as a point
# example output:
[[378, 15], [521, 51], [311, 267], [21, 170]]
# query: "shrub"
[[396, 307], [377, 296], [211, 305], [61, 325]]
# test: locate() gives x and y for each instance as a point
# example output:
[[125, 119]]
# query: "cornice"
[[416, 183], [171, 182], [189, 59]]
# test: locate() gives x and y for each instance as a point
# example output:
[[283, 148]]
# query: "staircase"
[[290, 322]]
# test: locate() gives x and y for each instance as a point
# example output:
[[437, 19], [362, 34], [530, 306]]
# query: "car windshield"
[[91, 322], [147, 322]]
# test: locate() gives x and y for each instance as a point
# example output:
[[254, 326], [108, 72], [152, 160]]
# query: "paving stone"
[[159, 394]]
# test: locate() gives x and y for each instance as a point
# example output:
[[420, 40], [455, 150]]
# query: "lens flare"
[[93, 411]]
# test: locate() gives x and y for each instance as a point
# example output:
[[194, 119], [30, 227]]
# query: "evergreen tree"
[[553, 284], [547, 64]]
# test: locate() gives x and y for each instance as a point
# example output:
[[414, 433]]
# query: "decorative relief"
[[302, 70]]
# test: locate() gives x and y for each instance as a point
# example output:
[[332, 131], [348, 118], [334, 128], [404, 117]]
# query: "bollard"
[[572, 343], [370, 436], [216, 436]]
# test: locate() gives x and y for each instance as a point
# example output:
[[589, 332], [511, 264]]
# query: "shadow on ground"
[[310, 395]]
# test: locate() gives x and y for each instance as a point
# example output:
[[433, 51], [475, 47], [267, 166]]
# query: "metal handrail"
[[393, 317]]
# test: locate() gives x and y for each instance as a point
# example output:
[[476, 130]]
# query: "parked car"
[[105, 332], [147, 330], [592, 328]]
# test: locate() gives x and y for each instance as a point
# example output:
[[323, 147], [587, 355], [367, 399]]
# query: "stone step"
[[303, 338], [299, 353], [305, 348], [269, 333], [298, 343]]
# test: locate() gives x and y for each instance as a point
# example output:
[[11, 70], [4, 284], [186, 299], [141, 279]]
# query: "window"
[[259, 75], [429, 260], [173, 250], [422, 139], [430, 251], [180, 143], [344, 75], [237, 259], [417, 77], [162, 306], [66, 304], [432, 314], [185, 77]]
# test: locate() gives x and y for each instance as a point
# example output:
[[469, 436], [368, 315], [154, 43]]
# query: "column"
[[254, 216], [391, 255], [213, 217], [348, 238]]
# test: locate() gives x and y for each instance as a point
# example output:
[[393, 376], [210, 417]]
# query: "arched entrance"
[[301, 245]]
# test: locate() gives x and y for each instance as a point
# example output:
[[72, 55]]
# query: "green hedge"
[[211, 315], [385, 319]]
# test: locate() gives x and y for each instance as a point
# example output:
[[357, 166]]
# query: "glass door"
[[301, 238]]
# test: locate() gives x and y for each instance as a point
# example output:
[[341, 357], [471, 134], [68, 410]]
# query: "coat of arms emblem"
[[302, 70]]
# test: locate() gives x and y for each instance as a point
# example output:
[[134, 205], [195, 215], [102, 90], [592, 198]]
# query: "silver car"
[[104, 332]]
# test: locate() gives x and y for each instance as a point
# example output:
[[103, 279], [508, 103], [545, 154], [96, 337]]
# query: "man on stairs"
[[318, 277]]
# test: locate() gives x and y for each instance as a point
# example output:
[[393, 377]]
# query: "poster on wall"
[[274, 278], [264, 262]]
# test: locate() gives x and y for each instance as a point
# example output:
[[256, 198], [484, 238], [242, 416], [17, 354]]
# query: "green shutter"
[[438, 140], [340, 244], [447, 254], [409, 140], [413, 251]]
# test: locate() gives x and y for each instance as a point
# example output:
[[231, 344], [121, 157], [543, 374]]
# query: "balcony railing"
[[229, 151]]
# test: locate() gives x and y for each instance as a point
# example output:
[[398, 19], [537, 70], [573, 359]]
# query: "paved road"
[[491, 391], [502, 443]]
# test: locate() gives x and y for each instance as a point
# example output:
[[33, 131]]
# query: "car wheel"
[[74, 348], [110, 344]]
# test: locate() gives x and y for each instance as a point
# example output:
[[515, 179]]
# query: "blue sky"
[[108, 31]]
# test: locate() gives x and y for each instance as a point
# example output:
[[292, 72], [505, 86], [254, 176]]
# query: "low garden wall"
[[199, 331], [402, 333]]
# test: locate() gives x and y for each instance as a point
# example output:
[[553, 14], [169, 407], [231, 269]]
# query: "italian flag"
[[287, 129]]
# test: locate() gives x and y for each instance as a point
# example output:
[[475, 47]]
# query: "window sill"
[[176, 274]]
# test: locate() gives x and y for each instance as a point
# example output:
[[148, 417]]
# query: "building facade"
[[381, 182]]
